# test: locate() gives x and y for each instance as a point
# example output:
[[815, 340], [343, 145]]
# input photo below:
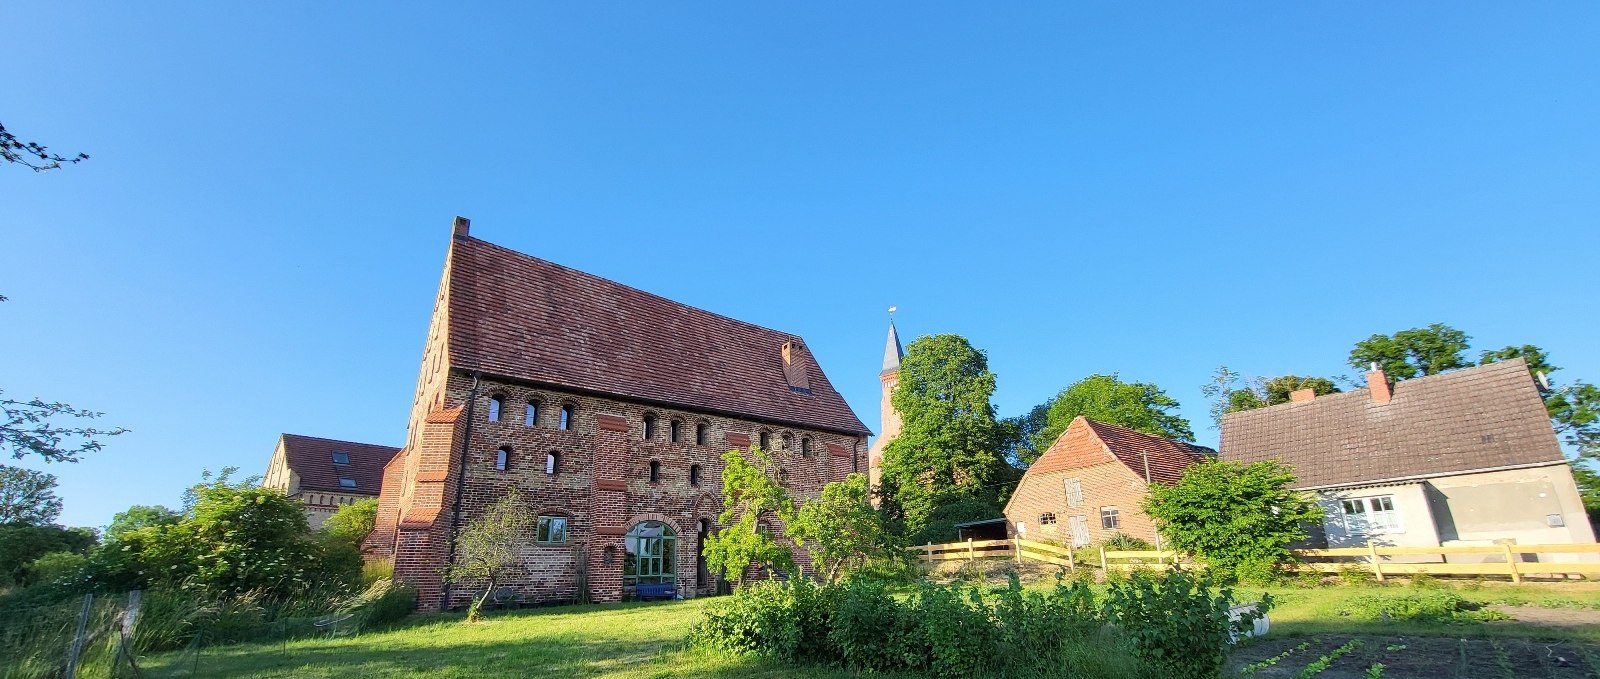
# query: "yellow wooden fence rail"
[[1378, 559]]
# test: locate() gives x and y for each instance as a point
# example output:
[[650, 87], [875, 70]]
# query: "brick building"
[[609, 409], [1091, 482], [324, 474]]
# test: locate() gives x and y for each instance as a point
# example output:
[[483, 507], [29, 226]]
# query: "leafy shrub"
[[1178, 626], [1037, 630], [960, 638], [872, 632], [55, 567], [785, 621], [1440, 606], [1263, 516]]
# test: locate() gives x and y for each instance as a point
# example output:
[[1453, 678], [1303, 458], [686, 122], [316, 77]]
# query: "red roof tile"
[[1476, 418], [311, 458], [1168, 459], [522, 317]]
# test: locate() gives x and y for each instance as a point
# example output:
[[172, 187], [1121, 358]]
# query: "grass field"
[[646, 640]]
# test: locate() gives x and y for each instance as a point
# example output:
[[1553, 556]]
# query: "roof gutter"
[[1423, 477]]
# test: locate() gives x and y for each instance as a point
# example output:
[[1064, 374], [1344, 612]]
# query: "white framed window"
[[1109, 518], [1370, 514], [1080, 530], [1074, 493]]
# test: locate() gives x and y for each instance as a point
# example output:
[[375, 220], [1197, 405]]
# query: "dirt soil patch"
[[1549, 617], [1420, 657]]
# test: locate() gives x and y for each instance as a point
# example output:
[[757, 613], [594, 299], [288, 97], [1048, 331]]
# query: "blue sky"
[[1151, 189]]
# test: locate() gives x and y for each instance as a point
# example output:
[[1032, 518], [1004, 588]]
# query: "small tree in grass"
[[488, 549], [841, 529], [749, 492], [1239, 519]]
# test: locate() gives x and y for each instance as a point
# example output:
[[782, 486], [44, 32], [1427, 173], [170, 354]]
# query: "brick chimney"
[[1378, 384], [1302, 395], [460, 228]]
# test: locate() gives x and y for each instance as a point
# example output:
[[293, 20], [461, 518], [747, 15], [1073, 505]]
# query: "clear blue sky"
[[1076, 187]]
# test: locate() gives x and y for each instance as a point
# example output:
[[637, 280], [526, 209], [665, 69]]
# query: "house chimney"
[[1378, 384], [460, 228], [1302, 395]]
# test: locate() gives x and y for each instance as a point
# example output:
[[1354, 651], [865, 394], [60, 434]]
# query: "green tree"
[[139, 516], [1239, 519], [28, 497], [21, 544], [489, 549], [842, 531], [1138, 406], [751, 493], [1413, 353], [1574, 408], [352, 522], [1588, 482], [34, 428], [950, 445], [1230, 392]]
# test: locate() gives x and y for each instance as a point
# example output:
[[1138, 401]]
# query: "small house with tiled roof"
[[1091, 483], [325, 474], [607, 409], [1467, 457]]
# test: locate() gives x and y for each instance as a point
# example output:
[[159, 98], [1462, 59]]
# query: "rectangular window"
[[1074, 493], [1047, 518], [1109, 518], [1080, 530], [347, 482], [341, 458], [1366, 514], [552, 530]]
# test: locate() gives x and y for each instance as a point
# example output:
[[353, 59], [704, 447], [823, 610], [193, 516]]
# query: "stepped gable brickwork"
[[575, 367]]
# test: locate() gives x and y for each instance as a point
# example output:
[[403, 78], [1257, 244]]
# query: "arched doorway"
[[650, 555], [702, 574]]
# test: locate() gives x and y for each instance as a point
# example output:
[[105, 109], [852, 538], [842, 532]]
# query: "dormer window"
[[341, 457], [496, 403], [649, 427], [347, 482]]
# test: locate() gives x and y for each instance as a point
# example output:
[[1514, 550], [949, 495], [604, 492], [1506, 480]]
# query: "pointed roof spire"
[[891, 348]]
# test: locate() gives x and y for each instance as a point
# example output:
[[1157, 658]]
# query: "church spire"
[[891, 348]]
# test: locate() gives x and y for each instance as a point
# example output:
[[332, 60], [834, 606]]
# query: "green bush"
[[961, 640], [55, 567], [1263, 516], [1178, 624], [874, 633], [785, 621]]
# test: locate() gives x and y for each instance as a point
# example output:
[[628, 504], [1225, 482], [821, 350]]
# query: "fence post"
[[1377, 568], [77, 637], [1511, 563], [1016, 549], [1104, 568], [927, 553], [1072, 562], [970, 553]]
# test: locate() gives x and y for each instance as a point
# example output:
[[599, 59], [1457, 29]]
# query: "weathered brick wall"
[[602, 485], [1107, 484]]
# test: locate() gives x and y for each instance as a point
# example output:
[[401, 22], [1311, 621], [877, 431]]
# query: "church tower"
[[889, 425]]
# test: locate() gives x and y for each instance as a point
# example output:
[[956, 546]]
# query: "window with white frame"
[[1365, 514], [1109, 518], [1074, 493]]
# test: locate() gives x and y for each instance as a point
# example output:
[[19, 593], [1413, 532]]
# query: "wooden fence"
[[1504, 559]]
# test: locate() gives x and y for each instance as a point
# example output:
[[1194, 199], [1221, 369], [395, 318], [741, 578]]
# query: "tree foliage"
[[842, 530], [1413, 353], [949, 447], [751, 493], [1231, 392], [27, 497], [1138, 406], [32, 155], [34, 428], [1239, 519], [488, 550], [140, 516], [21, 544], [352, 522]]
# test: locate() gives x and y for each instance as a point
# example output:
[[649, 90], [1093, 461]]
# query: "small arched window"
[[701, 432], [675, 431], [568, 413], [531, 417], [496, 403], [552, 463], [694, 475], [649, 427], [655, 471], [502, 458], [765, 440], [805, 446]]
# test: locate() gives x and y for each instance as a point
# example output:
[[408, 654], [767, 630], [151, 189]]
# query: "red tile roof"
[[311, 458], [1168, 459], [1477, 418], [521, 317]]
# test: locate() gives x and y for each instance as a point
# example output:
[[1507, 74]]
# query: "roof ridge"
[[324, 438], [619, 284], [1485, 367]]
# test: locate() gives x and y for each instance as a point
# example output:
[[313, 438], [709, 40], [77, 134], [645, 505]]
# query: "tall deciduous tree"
[[949, 447], [139, 516], [488, 549], [1413, 353], [842, 530], [751, 493], [1138, 406], [28, 497]]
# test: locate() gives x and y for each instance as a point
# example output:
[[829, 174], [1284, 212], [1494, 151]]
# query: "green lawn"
[[646, 640]]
